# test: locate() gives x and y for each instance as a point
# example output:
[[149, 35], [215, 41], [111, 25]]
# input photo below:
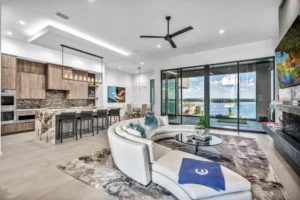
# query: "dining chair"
[[144, 110], [130, 111], [125, 111]]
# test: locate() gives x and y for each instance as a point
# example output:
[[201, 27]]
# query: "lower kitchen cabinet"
[[7, 129]]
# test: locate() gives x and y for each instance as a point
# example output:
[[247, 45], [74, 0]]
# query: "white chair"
[[125, 110], [144, 110], [130, 112]]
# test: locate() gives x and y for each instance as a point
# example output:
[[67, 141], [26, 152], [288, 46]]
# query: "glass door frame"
[[207, 90]]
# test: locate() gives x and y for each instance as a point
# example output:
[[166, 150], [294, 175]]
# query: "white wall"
[[234, 53], [115, 78], [0, 79], [34, 52], [143, 96]]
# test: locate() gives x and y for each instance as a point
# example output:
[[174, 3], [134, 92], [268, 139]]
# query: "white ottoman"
[[165, 173]]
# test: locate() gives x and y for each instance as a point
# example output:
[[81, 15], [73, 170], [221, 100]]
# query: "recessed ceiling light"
[[22, 22], [9, 33], [222, 31], [158, 46], [120, 67], [136, 71], [142, 63]]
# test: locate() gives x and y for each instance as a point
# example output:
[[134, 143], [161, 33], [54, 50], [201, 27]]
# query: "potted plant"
[[202, 125]]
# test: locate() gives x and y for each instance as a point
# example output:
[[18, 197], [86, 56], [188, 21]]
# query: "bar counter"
[[47, 122]]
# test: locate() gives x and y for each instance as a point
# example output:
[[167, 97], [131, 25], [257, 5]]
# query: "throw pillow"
[[137, 127], [163, 120], [151, 122]]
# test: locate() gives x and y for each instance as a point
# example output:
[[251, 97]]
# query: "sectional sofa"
[[144, 161]]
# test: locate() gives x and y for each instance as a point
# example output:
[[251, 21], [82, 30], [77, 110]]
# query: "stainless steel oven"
[[8, 116], [8, 99], [26, 116]]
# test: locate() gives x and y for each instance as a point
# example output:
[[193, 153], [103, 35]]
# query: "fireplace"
[[291, 125]]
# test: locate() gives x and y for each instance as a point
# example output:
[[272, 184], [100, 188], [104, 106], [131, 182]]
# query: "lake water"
[[247, 109]]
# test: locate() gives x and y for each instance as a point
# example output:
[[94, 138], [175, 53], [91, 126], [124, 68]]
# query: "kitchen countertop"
[[72, 109]]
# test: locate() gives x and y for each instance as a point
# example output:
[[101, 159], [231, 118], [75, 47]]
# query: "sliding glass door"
[[192, 94], [256, 91], [233, 95], [223, 109], [171, 95]]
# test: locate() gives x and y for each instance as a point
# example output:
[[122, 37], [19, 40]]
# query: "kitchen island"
[[47, 122]]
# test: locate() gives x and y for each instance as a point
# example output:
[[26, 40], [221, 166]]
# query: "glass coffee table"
[[187, 138]]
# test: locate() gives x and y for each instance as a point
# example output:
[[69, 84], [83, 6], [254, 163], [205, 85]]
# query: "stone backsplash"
[[54, 99], [288, 94]]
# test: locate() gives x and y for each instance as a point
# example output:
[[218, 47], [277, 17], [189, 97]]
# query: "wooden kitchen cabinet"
[[54, 77], [31, 67], [7, 129], [8, 61], [26, 126], [78, 90], [31, 86], [8, 78], [8, 72]]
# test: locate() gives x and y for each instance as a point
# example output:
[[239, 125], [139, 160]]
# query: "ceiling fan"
[[169, 37]]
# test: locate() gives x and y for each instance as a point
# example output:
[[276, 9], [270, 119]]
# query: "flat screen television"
[[287, 56], [116, 94]]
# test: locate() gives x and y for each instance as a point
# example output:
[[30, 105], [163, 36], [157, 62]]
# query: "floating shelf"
[[286, 108]]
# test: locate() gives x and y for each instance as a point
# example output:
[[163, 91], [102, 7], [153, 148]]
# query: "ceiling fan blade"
[[172, 43], [149, 36], [181, 31]]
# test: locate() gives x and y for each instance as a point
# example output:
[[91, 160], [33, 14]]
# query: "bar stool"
[[103, 115], [67, 118], [115, 113], [86, 116]]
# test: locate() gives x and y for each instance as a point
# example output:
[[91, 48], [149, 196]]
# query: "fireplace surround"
[[291, 125]]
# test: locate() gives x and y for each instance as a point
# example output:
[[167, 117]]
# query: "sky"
[[223, 86]]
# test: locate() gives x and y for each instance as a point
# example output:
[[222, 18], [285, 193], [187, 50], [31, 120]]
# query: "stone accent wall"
[[288, 94], [54, 99]]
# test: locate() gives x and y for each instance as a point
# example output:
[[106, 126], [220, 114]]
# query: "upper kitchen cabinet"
[[31, 86], [54, 77], [31, 80], [8, 72]]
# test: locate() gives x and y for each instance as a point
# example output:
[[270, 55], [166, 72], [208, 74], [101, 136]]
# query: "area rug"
[[239, 154]]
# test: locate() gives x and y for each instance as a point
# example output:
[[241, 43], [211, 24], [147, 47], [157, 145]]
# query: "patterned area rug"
[[239, 154]]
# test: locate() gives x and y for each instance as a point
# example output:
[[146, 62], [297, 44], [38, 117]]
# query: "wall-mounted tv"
[[116, 94], [288, 57]]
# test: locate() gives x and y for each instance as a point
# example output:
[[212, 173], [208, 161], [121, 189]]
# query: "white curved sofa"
[[144, 161]]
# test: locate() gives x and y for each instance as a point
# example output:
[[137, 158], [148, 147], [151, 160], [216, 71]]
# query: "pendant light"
[[139, 88]]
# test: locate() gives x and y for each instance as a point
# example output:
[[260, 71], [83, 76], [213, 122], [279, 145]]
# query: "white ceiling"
[[120, 23]]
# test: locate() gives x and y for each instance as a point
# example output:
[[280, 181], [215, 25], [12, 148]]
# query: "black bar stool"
[[67, 118], [115, 113], [103, 116], [86, 116]]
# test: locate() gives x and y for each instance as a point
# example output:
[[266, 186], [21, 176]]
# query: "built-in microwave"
[[8, 99]]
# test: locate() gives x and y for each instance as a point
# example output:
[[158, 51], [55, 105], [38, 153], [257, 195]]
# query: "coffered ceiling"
[[111, 28]]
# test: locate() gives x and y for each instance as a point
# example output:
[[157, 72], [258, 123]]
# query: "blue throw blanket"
[[201, 172]]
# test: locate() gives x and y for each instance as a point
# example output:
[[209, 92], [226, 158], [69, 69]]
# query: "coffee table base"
[[200, 150]]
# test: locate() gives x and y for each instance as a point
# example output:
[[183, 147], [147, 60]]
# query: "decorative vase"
[[200, 130]]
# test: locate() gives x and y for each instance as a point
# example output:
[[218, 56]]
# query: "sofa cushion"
[[163, 120], [132, 137], [169, 129], [169, 166], [160, 150]]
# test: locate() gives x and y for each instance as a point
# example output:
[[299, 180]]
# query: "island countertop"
[[46, 121]]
